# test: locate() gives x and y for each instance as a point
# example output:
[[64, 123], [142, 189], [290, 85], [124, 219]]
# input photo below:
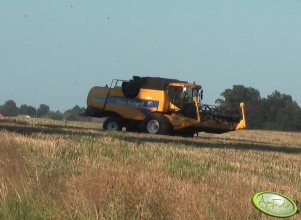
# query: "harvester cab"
[[184, 98], [160, 106]]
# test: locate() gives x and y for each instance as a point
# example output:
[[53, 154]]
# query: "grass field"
[[72, 170]]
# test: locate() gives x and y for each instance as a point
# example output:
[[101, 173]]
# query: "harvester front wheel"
[[113, 123], [157, 124]]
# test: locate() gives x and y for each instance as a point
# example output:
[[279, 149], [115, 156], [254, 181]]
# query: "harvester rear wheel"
[[157, 123], [113, 123]]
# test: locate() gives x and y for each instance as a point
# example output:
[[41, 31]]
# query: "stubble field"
[[73, 170]]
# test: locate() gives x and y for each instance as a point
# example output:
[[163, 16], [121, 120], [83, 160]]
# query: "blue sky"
[[54, 51]]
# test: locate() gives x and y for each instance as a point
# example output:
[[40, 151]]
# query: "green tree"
[[74, 113], [281, 112], [10, 108], [55, 115], [42, 110], [28, 110]]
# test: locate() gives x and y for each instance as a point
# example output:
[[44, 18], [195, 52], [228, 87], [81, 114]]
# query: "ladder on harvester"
[[108, 93]]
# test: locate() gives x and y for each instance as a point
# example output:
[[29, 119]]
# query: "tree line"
[[277, 111], [10, 108]]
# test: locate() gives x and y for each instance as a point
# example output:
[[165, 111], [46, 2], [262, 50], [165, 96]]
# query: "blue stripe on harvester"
[[127, 101]]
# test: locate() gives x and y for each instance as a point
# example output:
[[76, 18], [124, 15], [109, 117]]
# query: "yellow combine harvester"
[[160, 106]]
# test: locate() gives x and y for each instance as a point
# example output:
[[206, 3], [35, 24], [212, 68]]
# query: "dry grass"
[[68, 170]]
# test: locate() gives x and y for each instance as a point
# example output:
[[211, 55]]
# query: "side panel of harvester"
[[113, 101]]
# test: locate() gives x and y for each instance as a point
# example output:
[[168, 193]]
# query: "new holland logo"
[[274, 204]]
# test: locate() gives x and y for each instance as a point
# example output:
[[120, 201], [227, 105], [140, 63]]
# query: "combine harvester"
[[160, 106]]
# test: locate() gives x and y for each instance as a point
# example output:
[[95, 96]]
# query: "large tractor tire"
[[157, 123], [131, 88], [113, 123]]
